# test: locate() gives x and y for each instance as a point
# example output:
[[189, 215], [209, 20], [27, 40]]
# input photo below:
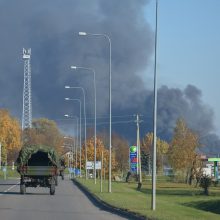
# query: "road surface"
[[68, 203]]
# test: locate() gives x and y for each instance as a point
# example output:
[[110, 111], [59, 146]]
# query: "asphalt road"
[[68, 203]]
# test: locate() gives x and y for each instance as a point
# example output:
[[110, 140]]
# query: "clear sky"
[[189, 47]]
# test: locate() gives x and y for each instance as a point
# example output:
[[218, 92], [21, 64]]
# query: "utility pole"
[[139, 153], [0, 156], [101, 173]]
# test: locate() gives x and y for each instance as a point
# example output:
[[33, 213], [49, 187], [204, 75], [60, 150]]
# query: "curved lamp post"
[[110, 100]]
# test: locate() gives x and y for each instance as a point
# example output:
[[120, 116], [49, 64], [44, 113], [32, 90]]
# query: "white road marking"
[[9, 189]]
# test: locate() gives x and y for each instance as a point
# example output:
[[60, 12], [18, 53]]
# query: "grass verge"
[[9, 174], [174, 201]]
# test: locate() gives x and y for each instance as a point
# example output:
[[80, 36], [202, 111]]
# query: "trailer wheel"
[[52, 189], [22, 189]]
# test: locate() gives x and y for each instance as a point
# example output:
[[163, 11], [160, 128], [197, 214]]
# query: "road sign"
[[71, 170], [98, 165], [77, 172], [90, 165]]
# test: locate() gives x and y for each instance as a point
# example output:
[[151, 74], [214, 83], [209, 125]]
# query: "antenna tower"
[[27, 107]]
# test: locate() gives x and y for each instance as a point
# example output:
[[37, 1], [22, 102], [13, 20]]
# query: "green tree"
[[45, 132], [182, 153]]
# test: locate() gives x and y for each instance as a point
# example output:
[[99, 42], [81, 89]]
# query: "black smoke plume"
[[50, 28]]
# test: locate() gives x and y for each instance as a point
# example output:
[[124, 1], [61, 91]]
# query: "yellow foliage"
[[99, 149], [182, 152], [162, 146], [10, 136]]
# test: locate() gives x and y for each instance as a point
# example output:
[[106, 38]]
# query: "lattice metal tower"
[[27, 105]]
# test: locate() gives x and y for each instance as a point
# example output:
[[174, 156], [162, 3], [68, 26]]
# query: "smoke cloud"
[[51, 29], [174, 103]]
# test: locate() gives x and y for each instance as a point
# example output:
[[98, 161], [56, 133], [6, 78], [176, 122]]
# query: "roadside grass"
[[174, 201], [10, 174]]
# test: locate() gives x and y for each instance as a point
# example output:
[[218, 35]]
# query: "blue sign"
[[77, 172], [71, 170]]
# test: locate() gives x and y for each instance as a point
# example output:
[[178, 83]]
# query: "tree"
[[44, 132], [162, 149], [10, 136], [99, 149], [182, 153], [120, 149], [205, 183]]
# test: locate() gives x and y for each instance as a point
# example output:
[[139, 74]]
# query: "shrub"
[[205, 183]]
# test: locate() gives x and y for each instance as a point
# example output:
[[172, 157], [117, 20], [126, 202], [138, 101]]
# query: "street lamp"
[[153, 200], [71, 146], [77, 135], [71, 87], [80, 154], [93, 71], [110, 100], [70, 155]]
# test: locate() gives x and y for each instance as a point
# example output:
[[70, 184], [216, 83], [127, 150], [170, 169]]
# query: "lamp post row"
[[95, 141], [110, 107], [81, 88], [80, 137], [77, 134]]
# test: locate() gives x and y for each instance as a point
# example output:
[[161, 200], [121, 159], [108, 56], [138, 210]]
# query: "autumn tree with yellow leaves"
[[10, 136], [162, 149], [99, 149], [182, 153], [120, 148]]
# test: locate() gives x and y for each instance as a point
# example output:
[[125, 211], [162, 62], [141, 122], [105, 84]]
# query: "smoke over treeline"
[[173, 104], [51, 29]]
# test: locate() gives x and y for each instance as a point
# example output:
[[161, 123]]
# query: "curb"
[[107, 207]]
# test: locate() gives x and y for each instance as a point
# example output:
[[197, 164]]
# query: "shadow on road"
[[7, 184], [10, 193], [26, 194]]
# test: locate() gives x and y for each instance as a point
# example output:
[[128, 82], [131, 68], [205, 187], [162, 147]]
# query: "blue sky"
[[189, 47]]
